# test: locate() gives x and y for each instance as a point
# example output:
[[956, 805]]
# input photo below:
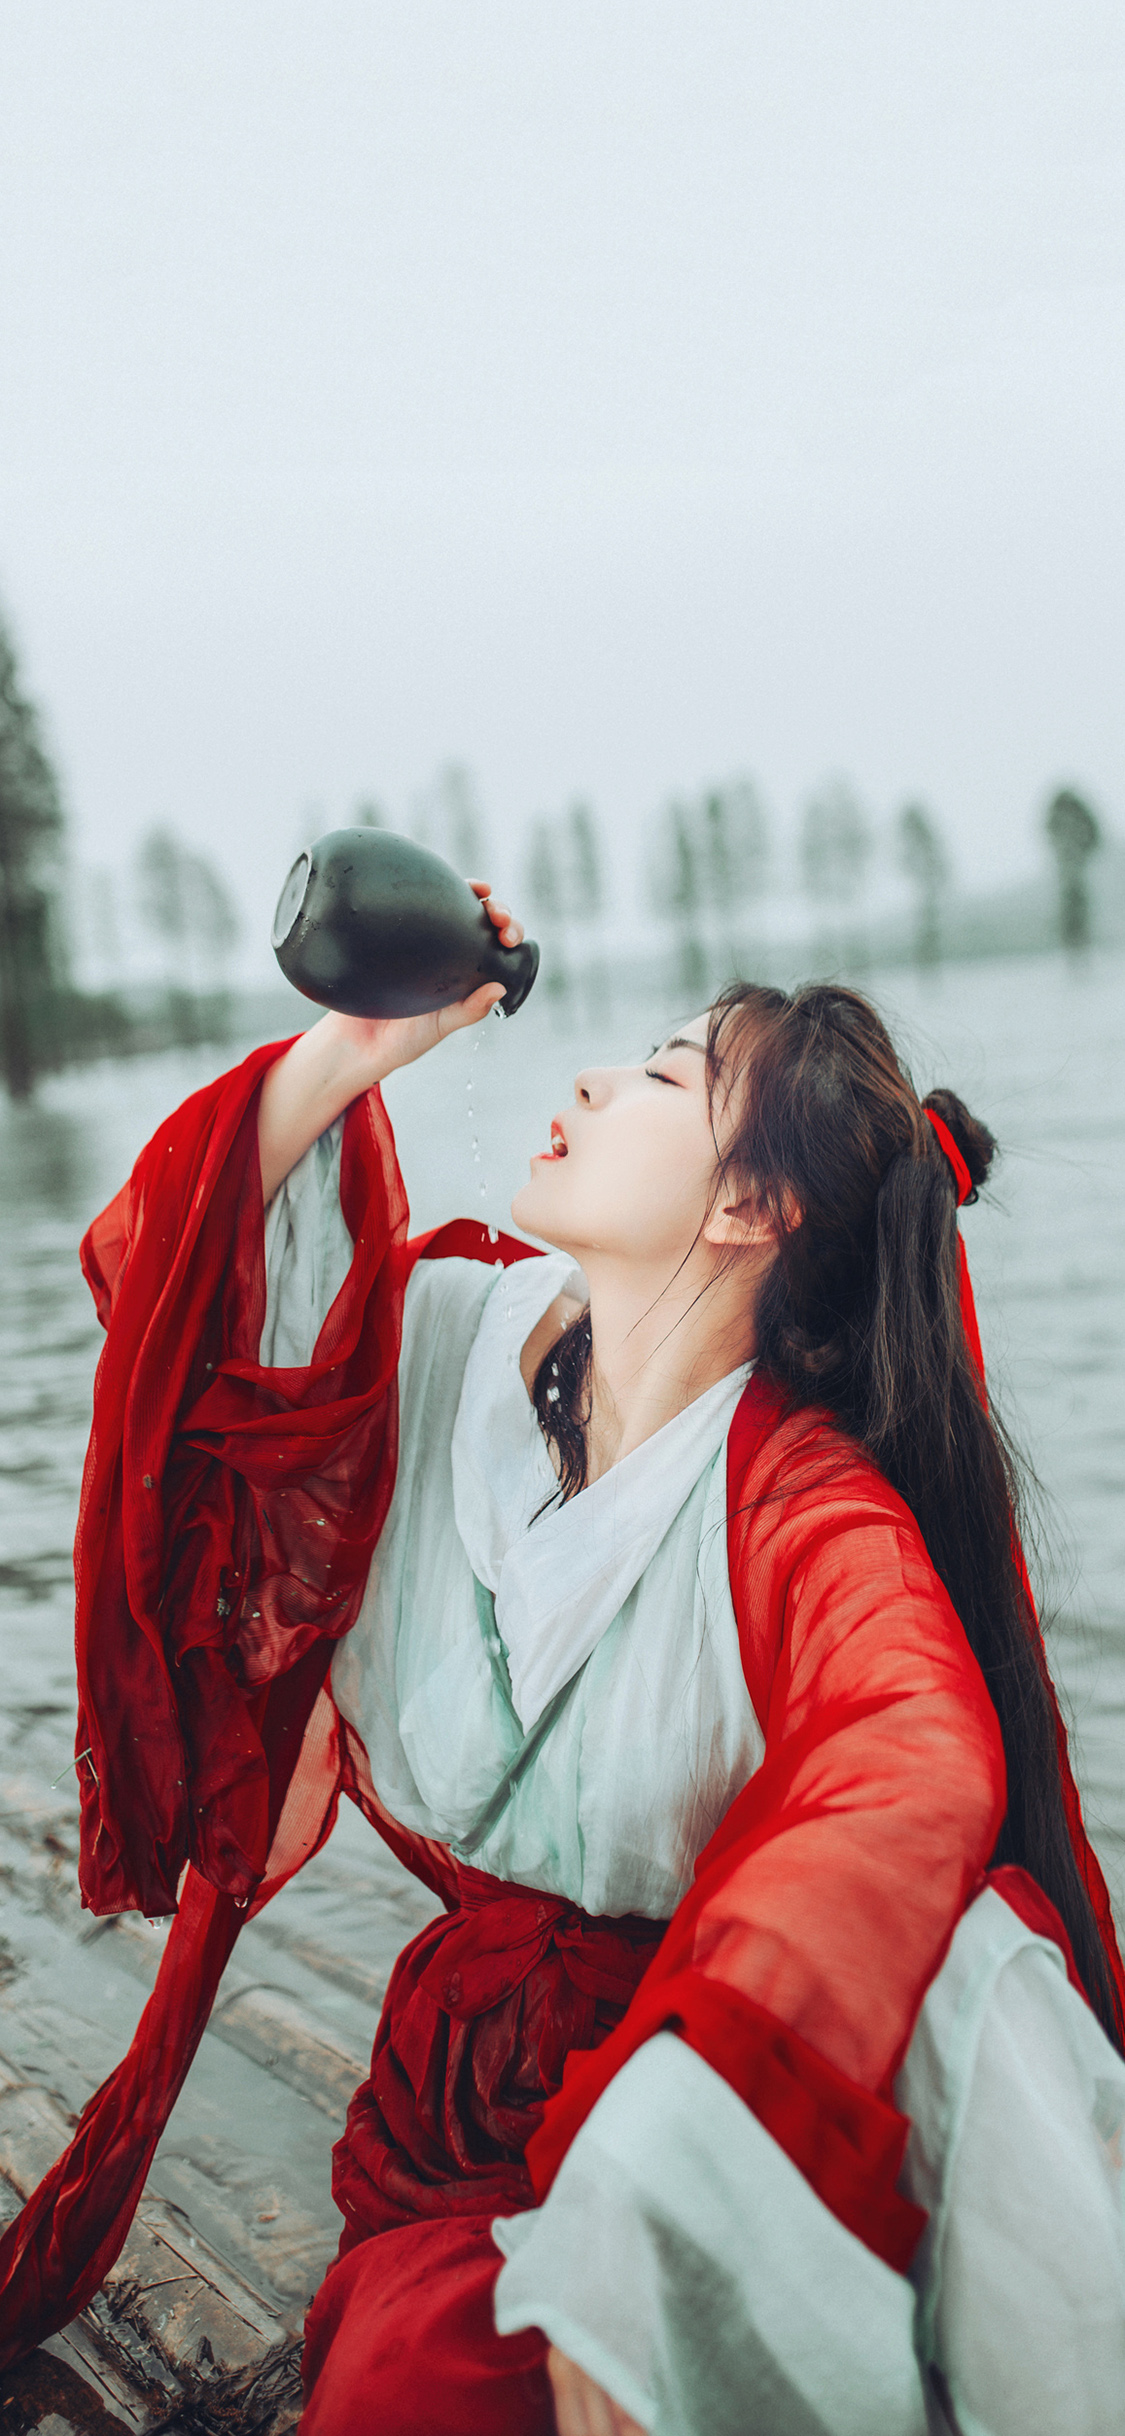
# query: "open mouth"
[[558, 1149]]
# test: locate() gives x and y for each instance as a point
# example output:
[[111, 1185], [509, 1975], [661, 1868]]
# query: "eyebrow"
[[678, 1042]]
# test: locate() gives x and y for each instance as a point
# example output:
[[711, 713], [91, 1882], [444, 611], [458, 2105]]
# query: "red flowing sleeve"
[[228, 1512], [824, 1904], [226, 1526]]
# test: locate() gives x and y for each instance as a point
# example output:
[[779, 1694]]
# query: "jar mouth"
[[526, 959], [291, 900]]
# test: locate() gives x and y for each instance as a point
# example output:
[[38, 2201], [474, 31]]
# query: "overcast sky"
[[607, 393]]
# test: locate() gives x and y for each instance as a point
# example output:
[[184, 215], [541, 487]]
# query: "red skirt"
[[483, 2008]]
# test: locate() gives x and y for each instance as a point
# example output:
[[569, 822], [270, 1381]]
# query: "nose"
[[593, 1086]]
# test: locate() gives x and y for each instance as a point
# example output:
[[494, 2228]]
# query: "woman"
[[683, 1651]]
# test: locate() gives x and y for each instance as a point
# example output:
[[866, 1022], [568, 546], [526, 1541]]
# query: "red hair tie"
[[962, 1178], [964, 1183]]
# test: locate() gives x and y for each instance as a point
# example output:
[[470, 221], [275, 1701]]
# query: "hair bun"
[[974, 1141]]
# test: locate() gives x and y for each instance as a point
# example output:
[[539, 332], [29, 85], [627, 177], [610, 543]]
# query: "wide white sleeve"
[[308, 1254], [1017, 2152], [687, 2266]]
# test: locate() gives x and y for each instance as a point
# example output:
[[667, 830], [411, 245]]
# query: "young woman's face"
[[630, 1170]]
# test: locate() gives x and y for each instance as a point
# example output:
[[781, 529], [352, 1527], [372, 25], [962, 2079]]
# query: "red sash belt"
[[483, 2008]]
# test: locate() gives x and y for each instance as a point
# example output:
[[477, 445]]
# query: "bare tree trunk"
[[1074, 905], [15, 1037]]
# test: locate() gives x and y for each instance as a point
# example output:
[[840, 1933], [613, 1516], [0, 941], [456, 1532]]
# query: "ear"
[[747, 1226]]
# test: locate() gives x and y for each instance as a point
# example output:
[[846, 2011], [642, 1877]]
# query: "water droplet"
[[474, 1137], [497, 1264], [493, 1234], [552, 1395], [500, 1009]]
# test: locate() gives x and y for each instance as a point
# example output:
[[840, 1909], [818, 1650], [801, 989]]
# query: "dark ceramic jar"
[[371, 924]]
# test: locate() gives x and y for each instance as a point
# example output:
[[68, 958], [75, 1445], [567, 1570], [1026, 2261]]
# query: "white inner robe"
[[658, 1734]]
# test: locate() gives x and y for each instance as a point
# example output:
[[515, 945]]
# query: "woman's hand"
[[343, 1055], [581, 2407], [383, 1043]]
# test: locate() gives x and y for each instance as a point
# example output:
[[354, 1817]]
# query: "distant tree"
[[548, 899], [103, 927], [685, 895], [544, 874], [449, 818], [32, 965], [836, 845], [160, 891], [564, 884], [711, 860], [587, 880], [189, 906], [732, 845], [466, 825], [1074, 835], [923, 858], [586, 888], [214, 925]]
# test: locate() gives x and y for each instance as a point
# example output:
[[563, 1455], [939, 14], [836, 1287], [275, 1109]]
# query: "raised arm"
[[343, 1055]]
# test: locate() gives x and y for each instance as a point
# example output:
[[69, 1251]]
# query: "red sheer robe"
[[227, 1523]]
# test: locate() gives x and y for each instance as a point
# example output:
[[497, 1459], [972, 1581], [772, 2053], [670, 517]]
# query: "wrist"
[[345, 1058]]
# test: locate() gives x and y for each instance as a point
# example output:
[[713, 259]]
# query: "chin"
[[531, 1210], [527, 1210]]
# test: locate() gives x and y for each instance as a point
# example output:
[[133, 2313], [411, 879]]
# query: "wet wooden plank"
[[56, 2394], [238, 2217], [246, 2156], [204, 2311], [270, 2026], [173, 2329]]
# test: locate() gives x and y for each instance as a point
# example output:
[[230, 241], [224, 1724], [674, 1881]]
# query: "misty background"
[[610, 402]]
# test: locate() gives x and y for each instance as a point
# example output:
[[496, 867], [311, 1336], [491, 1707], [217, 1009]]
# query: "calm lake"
[[1036, 1048]]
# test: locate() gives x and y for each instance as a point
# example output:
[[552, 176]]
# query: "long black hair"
[[859, 1315]]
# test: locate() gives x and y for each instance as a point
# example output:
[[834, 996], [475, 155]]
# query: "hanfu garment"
[[783, 2119], [680, 2256]]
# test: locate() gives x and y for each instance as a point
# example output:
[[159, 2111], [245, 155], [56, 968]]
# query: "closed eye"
[[655, 1077]]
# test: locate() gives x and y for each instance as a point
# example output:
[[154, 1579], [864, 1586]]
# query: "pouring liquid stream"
[[474, 1133]]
